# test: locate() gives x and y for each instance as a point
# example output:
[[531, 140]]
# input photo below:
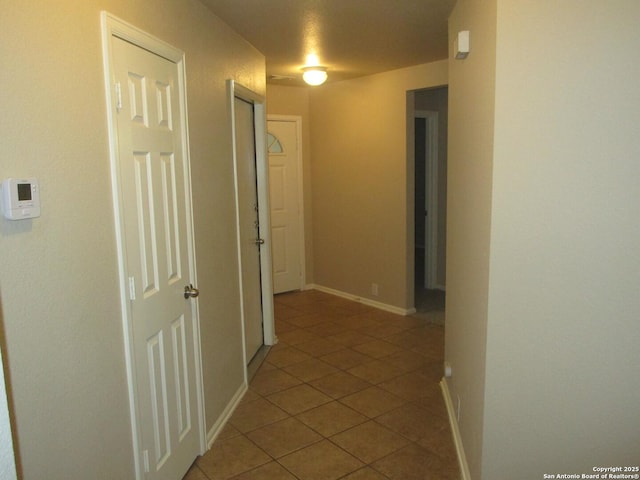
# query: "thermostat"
[[20, 198]]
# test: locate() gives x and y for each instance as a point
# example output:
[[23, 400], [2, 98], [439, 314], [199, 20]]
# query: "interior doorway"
[[248, 122], [249, 229], [430, 116], [146, 93]]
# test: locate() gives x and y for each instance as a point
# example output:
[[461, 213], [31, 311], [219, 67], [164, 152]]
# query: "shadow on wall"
[[430, 194]]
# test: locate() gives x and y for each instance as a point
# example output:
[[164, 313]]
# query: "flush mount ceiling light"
[[314, 75]]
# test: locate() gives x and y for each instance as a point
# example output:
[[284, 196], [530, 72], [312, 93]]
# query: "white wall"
[[59, 283]]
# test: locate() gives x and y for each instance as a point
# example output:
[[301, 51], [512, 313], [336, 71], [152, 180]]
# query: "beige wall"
[[295, 101], [563, 330], [363, 183], [59, 283], [542, 308], [470, 164]]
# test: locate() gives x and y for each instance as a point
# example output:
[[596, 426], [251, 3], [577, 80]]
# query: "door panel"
[[249, 226], [285, 209], [154, 189]]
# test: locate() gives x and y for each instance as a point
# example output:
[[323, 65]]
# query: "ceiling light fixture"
[[314, 75]]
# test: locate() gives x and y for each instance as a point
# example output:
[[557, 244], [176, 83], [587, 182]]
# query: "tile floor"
[[349, 392]]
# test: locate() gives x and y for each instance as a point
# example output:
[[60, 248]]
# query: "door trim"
[[234, 89], [112, 26], [298, 121], [431, 199]]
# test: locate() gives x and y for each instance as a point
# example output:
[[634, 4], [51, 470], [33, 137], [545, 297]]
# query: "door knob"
[[190, 291], [259, 241]]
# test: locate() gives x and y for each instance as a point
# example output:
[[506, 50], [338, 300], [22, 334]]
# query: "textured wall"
[[563, 330], [542, 267], [470, 164], [363, 183]]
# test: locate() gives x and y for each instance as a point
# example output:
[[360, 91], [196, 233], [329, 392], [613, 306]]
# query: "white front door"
[[285, 204], [249, 227], [155, 217]]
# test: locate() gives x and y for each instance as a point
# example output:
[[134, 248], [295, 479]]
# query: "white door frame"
[[431, 197], [234, 90], [115, 27], [298, 121], [7, 451]]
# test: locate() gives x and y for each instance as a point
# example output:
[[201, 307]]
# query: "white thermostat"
[[20, 198]]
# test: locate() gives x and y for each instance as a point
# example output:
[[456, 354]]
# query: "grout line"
[[401, 370]]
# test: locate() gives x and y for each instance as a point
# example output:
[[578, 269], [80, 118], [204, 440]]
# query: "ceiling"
[[352, 38]]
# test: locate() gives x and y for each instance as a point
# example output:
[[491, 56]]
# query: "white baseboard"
[[457, 439], [364, 301], [225, 416]]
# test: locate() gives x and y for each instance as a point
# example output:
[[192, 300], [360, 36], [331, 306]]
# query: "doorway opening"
[[248, 122], [430, 115]]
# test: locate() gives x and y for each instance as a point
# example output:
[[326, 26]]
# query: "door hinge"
[[118, 97], [132, 288], [145, 460]]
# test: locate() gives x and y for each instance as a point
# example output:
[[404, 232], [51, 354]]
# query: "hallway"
[[349, 392]]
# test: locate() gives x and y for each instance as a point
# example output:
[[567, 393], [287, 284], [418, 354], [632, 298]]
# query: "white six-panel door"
[[154, 194], [286, 214]]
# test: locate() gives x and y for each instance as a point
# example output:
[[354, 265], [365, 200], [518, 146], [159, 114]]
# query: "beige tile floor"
[[349, 392]]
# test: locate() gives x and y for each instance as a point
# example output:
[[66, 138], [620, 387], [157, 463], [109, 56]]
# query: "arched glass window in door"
[[273, 144]]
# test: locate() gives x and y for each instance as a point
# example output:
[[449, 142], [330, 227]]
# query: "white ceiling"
[[352, 38]]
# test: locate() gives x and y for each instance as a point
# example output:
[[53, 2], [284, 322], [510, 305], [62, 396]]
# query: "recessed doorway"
[[430, 200]]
